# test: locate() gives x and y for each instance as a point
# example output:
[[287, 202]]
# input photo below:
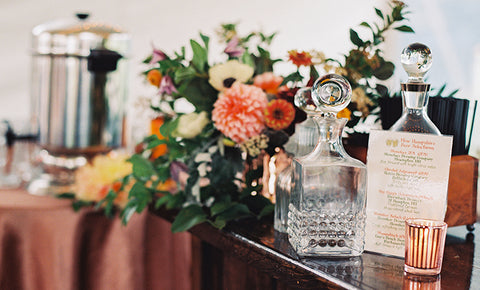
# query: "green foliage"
[[139, 198], [293, 77], [355, 38], [188, 217], [199, 92], [142, 169], [366, 61], [200, 56]]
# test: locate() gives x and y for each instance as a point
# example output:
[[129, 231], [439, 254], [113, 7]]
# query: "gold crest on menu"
[[393, 143]]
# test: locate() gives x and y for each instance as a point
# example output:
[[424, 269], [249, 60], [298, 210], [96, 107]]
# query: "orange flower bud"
[[154, 77], [155, 125]]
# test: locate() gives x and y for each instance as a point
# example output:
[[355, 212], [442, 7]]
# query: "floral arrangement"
[[207, 163], [364, 65]]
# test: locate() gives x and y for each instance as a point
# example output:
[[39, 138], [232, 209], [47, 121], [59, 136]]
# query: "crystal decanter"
[[416, 60], [300, 144], [327, 206]]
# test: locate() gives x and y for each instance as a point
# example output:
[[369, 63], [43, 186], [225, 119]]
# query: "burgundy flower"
[[166, 86], [233, 49]]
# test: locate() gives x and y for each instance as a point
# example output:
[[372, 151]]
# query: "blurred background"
[[447, 27]]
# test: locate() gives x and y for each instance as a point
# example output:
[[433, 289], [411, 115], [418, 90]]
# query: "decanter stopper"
[[303, 100], [331, 94], [416, 60]]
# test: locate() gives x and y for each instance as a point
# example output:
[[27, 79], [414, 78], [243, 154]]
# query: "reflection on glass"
[[414, 282]]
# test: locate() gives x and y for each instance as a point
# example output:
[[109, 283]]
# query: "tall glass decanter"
[[300, 144], [327, 207], [416, 60]]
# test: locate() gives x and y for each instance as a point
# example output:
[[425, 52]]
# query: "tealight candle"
[[424, 246]]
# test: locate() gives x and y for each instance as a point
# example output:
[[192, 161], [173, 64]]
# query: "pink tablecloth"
[[46, 245]]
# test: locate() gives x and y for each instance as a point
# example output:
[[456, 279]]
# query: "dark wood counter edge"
[[281, 267]]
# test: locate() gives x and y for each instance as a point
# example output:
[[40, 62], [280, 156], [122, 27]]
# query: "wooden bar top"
[[256, 243]]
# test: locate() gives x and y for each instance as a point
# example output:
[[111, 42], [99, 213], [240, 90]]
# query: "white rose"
[[190, 125]]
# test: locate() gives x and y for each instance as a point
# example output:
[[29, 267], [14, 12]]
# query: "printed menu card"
[[407, 178]]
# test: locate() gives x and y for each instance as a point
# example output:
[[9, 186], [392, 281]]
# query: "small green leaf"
[[66, 195], [379, 13], [355, 38], [170, 201], [219, 207], [293, 77], [168, 127], [78, 204], [267, 210], [127, 213], [140, 196], [405, 28], [389, 19], [365, 24], [199, 59], [248, 59], [397, 13], [184, 73], [188, 217], [235, 211], [162, 200], [385, 71], [219, 224], [108, 201], [453, 93], [205, 40], [141, 167]]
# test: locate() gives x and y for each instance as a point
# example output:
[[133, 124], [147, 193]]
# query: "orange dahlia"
[[300, 58], [154, 77], [238, 112], [268, 82], [279, 114]]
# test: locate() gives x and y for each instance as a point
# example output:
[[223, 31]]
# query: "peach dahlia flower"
[[238, 112], [268, 82]]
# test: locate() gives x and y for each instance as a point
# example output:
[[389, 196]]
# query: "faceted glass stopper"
[[303, 100], [331, 93], [416, 60]]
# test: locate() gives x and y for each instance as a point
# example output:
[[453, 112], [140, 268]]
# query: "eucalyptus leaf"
[[405, 28], [355, 38], [379, 13], [188, 217]]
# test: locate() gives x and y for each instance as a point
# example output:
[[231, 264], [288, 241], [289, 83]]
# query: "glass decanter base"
[[325, 233]]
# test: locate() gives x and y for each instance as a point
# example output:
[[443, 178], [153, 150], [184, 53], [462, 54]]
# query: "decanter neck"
[[415, 95], [330, 128]]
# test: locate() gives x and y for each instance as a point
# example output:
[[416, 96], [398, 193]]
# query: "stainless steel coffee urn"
[[79, 91]]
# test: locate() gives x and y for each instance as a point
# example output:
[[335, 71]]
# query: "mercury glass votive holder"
[[424, 246]]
